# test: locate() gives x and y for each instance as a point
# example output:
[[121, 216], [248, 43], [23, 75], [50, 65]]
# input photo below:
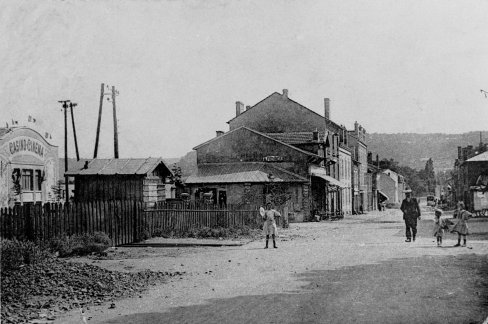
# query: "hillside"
[[414, 150]]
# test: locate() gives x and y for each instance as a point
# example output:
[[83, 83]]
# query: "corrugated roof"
[[115, 166], [479, 158], [241, 173]]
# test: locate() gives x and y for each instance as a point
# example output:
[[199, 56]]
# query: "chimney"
[[460, 153], [327, 108], [370, 157], [248, 107], [219, 133], [239, 108], [356, 128], [285, 93], [377, 160]]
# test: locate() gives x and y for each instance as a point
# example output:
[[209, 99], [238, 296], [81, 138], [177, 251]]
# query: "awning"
[[322, 173], [383, 194]]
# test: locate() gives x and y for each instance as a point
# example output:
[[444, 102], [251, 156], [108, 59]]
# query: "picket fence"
[[124, 222]]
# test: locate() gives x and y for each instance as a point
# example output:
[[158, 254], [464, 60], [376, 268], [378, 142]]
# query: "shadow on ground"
[[430, 289]]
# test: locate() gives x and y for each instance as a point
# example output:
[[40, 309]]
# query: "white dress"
[[269, 227]]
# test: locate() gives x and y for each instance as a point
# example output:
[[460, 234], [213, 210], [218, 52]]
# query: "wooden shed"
[[121, 179]]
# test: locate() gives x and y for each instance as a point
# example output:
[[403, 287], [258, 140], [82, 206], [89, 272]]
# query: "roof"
[[138, 166], [254, 172], [479, 158], [259, 133], [296, 137], [271, 95], [3, 131]]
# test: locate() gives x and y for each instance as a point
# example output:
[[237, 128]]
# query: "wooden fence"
[[123, 221], [182, 216]]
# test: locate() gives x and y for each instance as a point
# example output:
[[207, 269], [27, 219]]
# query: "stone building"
[[357, 142]]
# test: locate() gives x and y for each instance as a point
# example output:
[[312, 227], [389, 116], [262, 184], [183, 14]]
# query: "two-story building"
[[277, 144]]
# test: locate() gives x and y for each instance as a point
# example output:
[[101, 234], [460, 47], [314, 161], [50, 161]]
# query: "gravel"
[[37, 293]]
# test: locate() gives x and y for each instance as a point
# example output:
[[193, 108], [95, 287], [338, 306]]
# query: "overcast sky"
[[180, 66]]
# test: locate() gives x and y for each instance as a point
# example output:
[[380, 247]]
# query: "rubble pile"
[[50, 288]]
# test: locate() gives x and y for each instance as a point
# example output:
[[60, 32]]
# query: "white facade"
[[345, 169], [28, 167]]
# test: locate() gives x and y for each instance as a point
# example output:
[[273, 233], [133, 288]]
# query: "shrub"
[[17, 253], [61, 244], [86, 243]]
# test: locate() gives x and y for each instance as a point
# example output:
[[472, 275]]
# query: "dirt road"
[[357, 270]]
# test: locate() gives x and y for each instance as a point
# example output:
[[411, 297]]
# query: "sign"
[[273, 158], [26, 144]]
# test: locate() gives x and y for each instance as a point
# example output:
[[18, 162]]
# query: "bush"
[[86, 243], [80, 244], [16, 253]]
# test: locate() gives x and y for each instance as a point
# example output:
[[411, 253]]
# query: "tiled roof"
[[295, 137], [115, 166], [260, 134], [479, 158], [241, 173]]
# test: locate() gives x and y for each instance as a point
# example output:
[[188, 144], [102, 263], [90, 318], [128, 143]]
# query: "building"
[[244, 166], [391, 186], [28, 167], [142, 179], [345, 177], [471, 168], [357, 142]]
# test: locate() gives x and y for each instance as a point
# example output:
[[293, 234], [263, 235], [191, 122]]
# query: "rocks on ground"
[[39, 292]]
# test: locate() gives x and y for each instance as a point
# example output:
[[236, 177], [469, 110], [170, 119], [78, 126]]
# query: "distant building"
[[28, 167], [142, 179], [357, 142], [391, 186]]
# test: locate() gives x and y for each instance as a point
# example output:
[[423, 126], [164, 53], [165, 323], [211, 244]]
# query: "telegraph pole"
[[65, 107], [116, 139], [99, 121], [71, 106]]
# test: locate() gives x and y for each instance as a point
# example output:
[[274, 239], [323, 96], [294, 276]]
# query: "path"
[[355, 270]]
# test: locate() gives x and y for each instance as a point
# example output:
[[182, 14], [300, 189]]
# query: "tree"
[[429, 176], [389, 164], [58, 191]]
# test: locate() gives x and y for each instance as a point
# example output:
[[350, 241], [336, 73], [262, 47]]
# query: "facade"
[[244, 166], [357, 142], [345, 177], [471, 168], [28, 167], [391, 186], [121, 179]]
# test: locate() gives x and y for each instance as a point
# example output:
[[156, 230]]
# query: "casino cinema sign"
[[26, 144]]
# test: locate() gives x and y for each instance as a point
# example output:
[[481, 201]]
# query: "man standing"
[[411, 212]]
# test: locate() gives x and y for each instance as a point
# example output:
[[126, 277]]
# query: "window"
[[27, 179], [38, 180]]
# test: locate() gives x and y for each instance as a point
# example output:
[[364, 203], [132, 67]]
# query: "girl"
[[461, 226], [440, 224], [269, 226]]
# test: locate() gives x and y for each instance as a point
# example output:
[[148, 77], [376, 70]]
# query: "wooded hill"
[[413, 150]]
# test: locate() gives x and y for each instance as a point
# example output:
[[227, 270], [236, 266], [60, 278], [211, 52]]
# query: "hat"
[[407, 191], [438, 211]]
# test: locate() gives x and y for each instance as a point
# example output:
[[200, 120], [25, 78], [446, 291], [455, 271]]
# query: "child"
[[440, 224], [269, 226], [461, 226]]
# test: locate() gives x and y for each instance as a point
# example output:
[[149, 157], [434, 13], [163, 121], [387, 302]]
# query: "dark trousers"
[[411, 224]]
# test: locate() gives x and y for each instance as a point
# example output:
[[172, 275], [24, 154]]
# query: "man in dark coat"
[[411, 212]]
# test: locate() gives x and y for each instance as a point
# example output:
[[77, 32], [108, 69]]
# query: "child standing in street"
[[461, 226], [269, 226], [440, 224]]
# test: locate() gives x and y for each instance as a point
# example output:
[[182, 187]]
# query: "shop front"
[[28, 167]]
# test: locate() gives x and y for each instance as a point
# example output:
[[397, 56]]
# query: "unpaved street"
[[357, 270]]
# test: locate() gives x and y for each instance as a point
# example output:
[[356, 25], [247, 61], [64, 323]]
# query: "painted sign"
[[26, 144]]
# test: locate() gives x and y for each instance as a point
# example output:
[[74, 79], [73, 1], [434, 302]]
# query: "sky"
[[180, 66]]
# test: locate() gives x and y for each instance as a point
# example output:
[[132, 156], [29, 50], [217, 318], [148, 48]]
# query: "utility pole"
[[99, 121], [71, 106], [65, 107], [116, 139], [112, 93]]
